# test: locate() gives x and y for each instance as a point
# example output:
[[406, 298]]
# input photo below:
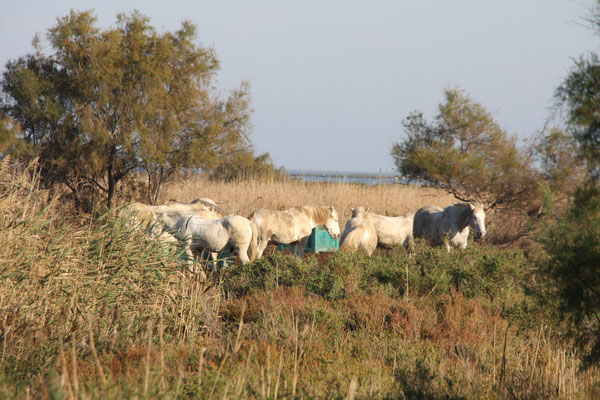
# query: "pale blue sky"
[[333, 80]]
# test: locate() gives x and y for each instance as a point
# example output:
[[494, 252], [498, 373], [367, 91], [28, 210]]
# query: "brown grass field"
[[243, 197]]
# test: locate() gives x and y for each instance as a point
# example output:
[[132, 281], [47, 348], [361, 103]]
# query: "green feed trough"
[[319, 241]]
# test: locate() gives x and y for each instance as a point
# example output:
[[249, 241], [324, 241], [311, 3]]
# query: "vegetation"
[[90, 309], [105, 103], [572, 241], [466, 153], [245, 165]]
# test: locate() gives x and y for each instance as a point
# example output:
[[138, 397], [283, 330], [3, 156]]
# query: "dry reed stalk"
[[5, 331], [352, 388], [263, 389], [226, 390], [278, 375], [95, 353], [504, 357], [406, 271], [238, 342], [147, 360], [537, 345], [494, 355], [65, 373], [268, 370], [200, 362], [179, 381], [212, 390], [161, 338], [296, 341], [74, 367], [243, 374]]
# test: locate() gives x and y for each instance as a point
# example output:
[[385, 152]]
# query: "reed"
[[243, 197]]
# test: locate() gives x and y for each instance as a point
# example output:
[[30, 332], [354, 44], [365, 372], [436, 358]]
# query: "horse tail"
[[349, 239], [253, 248], [360, 238]]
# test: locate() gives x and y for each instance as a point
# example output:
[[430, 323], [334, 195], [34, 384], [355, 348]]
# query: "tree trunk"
[[112, 183]]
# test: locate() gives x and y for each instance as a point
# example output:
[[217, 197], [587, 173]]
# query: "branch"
[[94, 182], [119, 175]]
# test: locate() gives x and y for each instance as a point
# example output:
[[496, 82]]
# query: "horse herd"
[[201, 226]]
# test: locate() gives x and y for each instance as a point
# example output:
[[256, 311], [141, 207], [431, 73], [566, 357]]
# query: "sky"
[[332, 80]]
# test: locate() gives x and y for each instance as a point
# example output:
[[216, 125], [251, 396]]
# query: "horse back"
[[425, 221]]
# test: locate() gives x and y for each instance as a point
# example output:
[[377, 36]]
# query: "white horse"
[[197, 206], [389, 231], [203, 203], [152, 220], [213, 235], [449, 226], [359, 233], [293, 225]]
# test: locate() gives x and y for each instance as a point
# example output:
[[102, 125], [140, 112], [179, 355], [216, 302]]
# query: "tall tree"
[[104, 103], [465, 152], [572, 242]]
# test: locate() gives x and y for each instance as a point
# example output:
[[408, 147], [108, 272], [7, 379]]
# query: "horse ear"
[[331, 207], [368, 209], [472, 206], [351, 209]]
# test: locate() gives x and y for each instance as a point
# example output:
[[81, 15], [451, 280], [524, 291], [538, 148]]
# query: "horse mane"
[[464, 212], [319, 214], [474, 206]]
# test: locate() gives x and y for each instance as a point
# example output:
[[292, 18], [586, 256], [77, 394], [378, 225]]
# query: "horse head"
[[359, 211], [332, 225], [477, 220]]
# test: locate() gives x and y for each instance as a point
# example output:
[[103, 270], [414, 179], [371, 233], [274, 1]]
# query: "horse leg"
[[243, 253], [409, 244], [447, 245], [262, 245], [300, 245]]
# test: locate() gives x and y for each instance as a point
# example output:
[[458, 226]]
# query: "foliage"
[[244, 165], [561, 167], [103, 103], [573, 247], [572, 241], [466, 153], [580, 94], [7, 135]]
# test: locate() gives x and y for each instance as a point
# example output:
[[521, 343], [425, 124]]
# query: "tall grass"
[[89, 309], [243, 197]]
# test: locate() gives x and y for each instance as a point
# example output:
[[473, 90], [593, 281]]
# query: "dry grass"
[[246, 196]]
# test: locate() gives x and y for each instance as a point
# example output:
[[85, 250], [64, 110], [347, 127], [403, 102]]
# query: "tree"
[[572, 241], [560, 165], [244, 165], [105, 103], [7, 135], [572, 244], [579, 94], [465, 152]]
